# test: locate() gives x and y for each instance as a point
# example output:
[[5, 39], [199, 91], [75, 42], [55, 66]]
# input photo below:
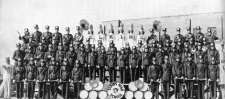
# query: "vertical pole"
[[222, 26], [190, 25]]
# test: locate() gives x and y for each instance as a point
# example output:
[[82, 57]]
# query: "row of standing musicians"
[[61, 60]]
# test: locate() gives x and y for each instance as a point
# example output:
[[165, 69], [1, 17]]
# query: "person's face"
[[47, 29], [56, 30]]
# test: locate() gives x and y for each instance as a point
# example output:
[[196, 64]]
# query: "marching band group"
[[48, 60]]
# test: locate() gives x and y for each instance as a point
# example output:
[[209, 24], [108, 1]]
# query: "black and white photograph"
[[112, 49]]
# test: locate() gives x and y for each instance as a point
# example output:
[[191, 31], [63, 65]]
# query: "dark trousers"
[[77, 88], [178, 88], [201, 85], [65, 87], [212, 87], [84, 73], [133, 73], [92, 72], [112, 74], [189, 85], [155, 89], [52, 90], [19, 89], [42, 90], [101, 73], [30, 90], [166, 89], [122, 74]]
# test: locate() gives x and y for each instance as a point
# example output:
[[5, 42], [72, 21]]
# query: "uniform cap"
[[57, 27], [47, 27], [36, 26]]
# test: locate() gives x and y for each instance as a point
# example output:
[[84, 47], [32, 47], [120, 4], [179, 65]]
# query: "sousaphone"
[[84, 24]]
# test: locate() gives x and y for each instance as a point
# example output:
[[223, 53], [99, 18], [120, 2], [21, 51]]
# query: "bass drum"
[[138, 95], [129, 95], [145, 87], [83, 94], [132, 86], [87, 86], [93, 95], [102, 95], [148, 95]]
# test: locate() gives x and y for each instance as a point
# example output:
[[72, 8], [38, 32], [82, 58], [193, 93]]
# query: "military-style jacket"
[[201, 69], [67, 38], [213, 72], [213, 53], [57, 37], [166, 72], [52, 72], [81, 56], [121, 60], [92, 58], [42, 73], [112, 57], [31, 72], [60, 55], [178, 69], [101, 60], [145, 59], [19, 73], [154, 72], [76, 74], [36, 36], [189, 69], [64, 73], [18, 54], [47, 37], [133, 59]]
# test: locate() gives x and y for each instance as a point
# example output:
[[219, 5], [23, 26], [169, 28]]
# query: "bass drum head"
[[87, 86], [138, 95], [129, 95], [132, 86], [83, 94], [99, 87], [148, 95], [145, 87], [102, 94], [93, 95], [94, 84], [139, 84]]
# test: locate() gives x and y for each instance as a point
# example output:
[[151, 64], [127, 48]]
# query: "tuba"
[[84, 24]]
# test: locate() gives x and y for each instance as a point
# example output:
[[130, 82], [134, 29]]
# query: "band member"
[[145, 63], [19, 53], [131, 38], [178, 73], [57, 36], [159, 54], [101, 61], [40, 53], [82, 57], [36, 36], [64, 78], [164, 37], [60, 54], [154, 74], [141, 35], [30, 78], [190, 74], [120, 38], [42, 77], [92, 62], [101, 35], [213, 74], [50, 53], [213, 52], [25, 37], [19, 77], [111, 36], [121, 64], [179, 37], [112, 60], [78, 37], [71, 56], [134, 63], [166, 76], [210, 36], [152, 38], [199, 35], [67, 38], [201, 75], [76, 77], [91, 35], [52, 78], [47, 35]]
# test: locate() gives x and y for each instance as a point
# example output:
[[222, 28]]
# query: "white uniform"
[[6, 71], [120, 41], [131, 39]]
